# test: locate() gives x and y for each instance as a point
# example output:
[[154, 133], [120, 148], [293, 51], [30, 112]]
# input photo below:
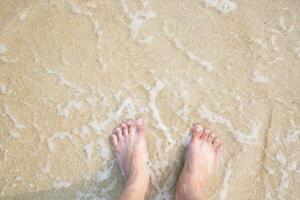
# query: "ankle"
[[133, 191], [189, 189], [138, 184]]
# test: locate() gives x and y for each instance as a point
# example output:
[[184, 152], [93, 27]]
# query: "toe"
[[205, 134], [219, 150], [131, 127], [216, 143], [210, 138], [114, 140], [196, 131], [119, 134], [139, 122], [124, 129]]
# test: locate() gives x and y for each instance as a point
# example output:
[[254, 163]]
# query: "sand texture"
[[70, 71]]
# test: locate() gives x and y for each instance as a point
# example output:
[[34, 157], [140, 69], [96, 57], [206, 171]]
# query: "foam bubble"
[[259, 78], [2, 89], [22, 15], [223, 6], [57, 135], [64, 112], [137, 20], [3, 48], [61, 184], [88, 149], [227, 176], [146, 40]]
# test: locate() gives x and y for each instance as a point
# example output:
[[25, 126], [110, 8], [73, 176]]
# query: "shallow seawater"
[[70, 71]]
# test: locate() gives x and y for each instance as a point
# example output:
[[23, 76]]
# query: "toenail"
[[139, 121], [199, 128]]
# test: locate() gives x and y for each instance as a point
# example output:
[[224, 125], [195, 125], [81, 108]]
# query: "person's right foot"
[[201, 156]]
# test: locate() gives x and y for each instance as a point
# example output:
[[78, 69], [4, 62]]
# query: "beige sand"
[[71, 70]]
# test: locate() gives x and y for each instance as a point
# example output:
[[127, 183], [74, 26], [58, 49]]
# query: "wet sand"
[[72, 70]]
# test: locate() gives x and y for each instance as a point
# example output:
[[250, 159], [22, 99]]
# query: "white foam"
[[103, 65], [186, 138], [109, 188], [164, 191], [62, 81], [211, 117], [138, 18], [13, 118], [208, 66], [297, 50], [247, 138], [182, 113], [137, 21], [57, 135], [64, 112], [240, 136], [259, 78], [292, 166], [146, 40], [2, 89], [98, 126], [87, 195], [274, 43], [260, 43], [14, 134], [227, 176], [85, 130], [293, 136], [153, 92], [280, 157], [284, 181], [46, 168], [284, 26], [223, 6], [61, 184], [104, 174], [104, 149], [178, 45], [3, 48], [77, 10], [7, 60], [270, 171], [88, 149], [22, 15]]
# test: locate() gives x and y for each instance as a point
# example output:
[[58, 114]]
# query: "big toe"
[[196, 131], [140, 125]]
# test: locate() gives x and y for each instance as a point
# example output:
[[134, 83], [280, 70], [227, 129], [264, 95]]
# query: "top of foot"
[[201, 157]]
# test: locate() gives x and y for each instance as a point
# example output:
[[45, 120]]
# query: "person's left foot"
[[131, 152]]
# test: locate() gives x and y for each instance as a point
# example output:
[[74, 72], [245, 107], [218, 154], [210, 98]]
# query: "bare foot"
[[132, 156], [201, 156]]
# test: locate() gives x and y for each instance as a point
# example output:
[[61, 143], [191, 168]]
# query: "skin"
[[130, 149]]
